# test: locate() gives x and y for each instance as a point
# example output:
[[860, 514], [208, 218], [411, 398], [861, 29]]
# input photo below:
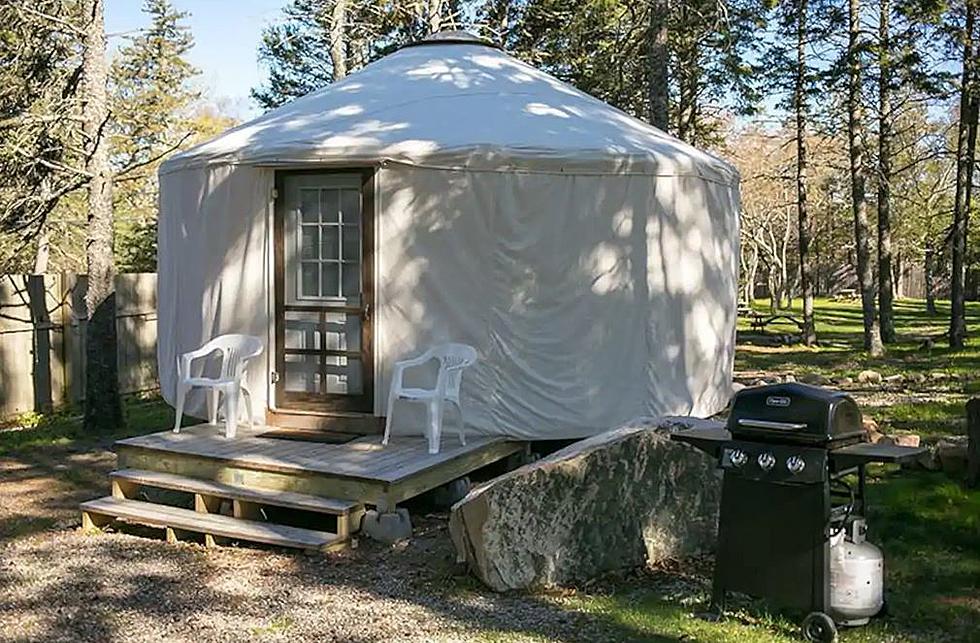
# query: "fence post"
[[973, 446]]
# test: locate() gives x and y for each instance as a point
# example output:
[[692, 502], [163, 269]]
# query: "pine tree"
[[151, 111], [40, 141]]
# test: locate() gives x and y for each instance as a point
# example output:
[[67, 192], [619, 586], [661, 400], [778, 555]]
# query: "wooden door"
[[324, 291]]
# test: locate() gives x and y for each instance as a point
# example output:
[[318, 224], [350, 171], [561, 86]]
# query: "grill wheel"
[[819, 627]]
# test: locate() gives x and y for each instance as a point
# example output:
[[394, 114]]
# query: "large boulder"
[[613, 501]]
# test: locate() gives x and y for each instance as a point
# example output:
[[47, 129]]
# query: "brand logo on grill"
[[777, 400]]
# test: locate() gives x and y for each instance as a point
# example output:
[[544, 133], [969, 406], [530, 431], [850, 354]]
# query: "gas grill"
[[791, 528]]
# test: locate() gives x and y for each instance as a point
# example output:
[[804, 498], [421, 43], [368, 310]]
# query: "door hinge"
[[274, 377]]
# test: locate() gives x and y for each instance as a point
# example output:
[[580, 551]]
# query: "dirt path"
[[58, 584]]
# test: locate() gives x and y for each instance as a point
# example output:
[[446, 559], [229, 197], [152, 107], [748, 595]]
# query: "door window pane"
[[302, 373], [331, 278], [309, 241], [352, 280], [330, 248], [310, 279], [352, 243], [342, 375], [309, 206], [329, 206], [350, 206]]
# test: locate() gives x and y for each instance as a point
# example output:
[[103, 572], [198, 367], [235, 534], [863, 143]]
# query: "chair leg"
[[231, 411], [435, 425], [388, 419], [462, 422], [181, 395], [213, 405], [247, 398]]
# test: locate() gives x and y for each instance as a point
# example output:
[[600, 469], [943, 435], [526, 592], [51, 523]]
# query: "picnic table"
[[760, 321]]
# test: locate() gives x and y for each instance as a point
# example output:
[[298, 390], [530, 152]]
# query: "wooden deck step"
[[95, 512], [287, 499]]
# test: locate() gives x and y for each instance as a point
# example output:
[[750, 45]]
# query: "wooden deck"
[[360, 470]]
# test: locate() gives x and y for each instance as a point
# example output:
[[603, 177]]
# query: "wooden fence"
[[42, 339]]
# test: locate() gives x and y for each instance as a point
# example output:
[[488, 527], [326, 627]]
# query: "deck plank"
[[208, 487], [209, 524], [362, 457]]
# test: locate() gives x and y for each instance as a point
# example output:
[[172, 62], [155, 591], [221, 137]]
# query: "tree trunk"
[[103, 411], [658, 59], [803, 221], [859, 206], [42, 253], [435, 16], [973, 442], [338, 39], [929, 271], [965, 155], [885, 276]]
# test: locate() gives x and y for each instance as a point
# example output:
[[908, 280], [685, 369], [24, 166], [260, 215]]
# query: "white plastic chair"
[[453, 358], [235, 350]]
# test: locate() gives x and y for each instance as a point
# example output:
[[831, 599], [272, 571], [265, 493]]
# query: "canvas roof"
[[455, 102]]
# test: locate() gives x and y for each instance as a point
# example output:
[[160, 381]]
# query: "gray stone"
[[447, 495], [845, 381], [737, 386], [898, 378], [789, 377], [869, 377], [916, 378], [815, 379], [953, 454], [389, 527], [613, 501]]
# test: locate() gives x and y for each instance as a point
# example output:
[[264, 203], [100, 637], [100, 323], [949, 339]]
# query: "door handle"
[[367, 312]]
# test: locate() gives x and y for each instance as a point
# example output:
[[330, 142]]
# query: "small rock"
[[898, 378], [760, 383], [952, 453], [906, 440], [876, 437], [871, 428], [845, 381], [930, 460], [938, 376], [737, 386], [916, 378], [869, 377], [789, 377], [815, 378]]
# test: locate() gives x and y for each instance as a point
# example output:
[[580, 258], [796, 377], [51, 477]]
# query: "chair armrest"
[[184, 360], [414, 361]]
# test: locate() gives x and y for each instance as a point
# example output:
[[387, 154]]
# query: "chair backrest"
[[236, 350], [453, 358]]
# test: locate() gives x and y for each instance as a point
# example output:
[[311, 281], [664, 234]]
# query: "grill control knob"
[[738, 458], [766, 461], [795, 465]]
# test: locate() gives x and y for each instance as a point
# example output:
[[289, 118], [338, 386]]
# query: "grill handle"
[[770, 425]]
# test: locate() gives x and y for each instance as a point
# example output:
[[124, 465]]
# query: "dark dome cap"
[[452, 37]]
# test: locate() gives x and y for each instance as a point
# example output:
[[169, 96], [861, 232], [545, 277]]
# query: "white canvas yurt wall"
[[590, 258]]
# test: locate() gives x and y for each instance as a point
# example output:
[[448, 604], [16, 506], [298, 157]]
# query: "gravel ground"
[[59, 584]]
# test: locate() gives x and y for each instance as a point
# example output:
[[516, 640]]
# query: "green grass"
[[64, 428], [929, 529], [932, 408], [841, 352]]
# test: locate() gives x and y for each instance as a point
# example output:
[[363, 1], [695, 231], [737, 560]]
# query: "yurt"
[[450, 192]]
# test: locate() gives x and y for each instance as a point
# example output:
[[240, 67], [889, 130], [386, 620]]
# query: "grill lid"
[[796, 413]]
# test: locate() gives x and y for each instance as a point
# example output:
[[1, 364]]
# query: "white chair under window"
[[236, 351], [453, 358]]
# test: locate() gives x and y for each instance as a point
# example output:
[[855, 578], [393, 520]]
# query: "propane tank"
[[856, 575]]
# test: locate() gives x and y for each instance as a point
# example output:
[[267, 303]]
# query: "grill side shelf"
[[865, 452], [709, 440]]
